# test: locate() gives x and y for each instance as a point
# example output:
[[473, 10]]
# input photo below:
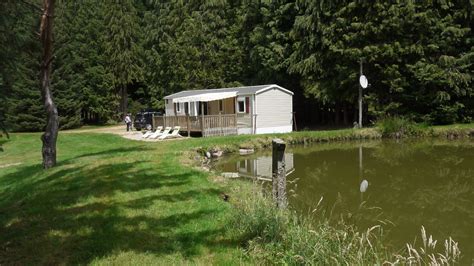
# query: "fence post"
[[220, 123], [279, 173], [202, 120], [187, 124], [236, 125]]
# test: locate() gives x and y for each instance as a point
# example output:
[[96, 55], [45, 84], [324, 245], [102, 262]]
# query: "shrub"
[[398, 126]]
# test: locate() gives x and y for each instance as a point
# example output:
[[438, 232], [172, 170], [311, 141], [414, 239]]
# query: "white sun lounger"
[[158, 133], [149, 133], [172, 135]]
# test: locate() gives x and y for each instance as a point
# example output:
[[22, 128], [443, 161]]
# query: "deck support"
[[202, 119], [279, 173], [208, 125], [187, 125]]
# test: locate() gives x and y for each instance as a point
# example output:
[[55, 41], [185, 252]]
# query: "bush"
[[398, 126]]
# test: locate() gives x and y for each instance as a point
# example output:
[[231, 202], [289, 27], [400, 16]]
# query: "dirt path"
[[117, 130]]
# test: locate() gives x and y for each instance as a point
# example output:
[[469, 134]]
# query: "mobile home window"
[[166, 101], [178, 107], [243, 104]]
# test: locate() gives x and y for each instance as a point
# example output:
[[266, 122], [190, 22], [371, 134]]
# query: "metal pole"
[[360, 97]]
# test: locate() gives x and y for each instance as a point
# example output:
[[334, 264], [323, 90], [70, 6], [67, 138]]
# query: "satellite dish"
[[363, 81]]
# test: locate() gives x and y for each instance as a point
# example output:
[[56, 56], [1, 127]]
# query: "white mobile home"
[[241, 110]]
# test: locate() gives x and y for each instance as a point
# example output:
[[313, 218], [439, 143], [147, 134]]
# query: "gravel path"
[[117, 130]]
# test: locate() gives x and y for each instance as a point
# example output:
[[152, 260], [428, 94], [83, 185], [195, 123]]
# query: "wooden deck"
[[208, 125]]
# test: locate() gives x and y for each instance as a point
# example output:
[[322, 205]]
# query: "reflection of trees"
[[411, 183], [394, 151], [453, 196], [427, 183]]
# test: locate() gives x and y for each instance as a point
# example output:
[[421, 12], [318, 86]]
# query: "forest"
[[121, 56]]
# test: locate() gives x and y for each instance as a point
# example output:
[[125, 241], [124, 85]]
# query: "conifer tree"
[[20, 106], [121, 47], [415, 54], [83, 84]]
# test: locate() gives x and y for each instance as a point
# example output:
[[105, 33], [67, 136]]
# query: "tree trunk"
[[51, 131]]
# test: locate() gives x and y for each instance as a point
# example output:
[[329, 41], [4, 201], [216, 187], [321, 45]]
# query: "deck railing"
[[208, 125]]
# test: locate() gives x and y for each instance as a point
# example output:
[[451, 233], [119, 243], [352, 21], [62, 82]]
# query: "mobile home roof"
[[238, 90]]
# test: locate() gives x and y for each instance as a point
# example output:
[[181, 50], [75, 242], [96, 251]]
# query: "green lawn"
[[117, 201], [110, 200]]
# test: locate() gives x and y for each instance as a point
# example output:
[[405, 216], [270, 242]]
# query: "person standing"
[[128, 121]]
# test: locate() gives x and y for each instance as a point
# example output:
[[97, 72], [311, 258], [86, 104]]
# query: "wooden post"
[[279, 173], [220, 123], [187, 125], [202, 119], [175, 121]]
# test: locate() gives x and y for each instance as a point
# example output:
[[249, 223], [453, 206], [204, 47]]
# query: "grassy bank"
[[234, 143], [109, 200], [272, 236], [112, 200]]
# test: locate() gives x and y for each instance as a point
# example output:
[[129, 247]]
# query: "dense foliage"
[[110, 55]]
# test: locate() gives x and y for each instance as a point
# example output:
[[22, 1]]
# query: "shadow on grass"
[[75, 213]]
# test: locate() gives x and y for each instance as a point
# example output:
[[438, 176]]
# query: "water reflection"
[[258, 168], [412, 183], [363, 186]]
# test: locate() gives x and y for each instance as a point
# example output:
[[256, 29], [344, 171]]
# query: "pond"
[[407, 184]]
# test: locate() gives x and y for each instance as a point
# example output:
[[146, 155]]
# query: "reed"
[[273, 236]]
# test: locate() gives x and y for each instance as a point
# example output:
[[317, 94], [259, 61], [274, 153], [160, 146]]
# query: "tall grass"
[[273, 236], [398, 126]]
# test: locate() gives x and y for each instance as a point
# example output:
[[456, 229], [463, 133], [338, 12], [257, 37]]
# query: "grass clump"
[[429, 254], [398, 126], [273, 236]]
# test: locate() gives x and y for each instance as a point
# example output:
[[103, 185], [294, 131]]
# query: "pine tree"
[[415, 54], [122, 51], [83, 84], [21, 108]]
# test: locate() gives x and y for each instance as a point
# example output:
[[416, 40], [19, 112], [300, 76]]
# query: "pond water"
[[407, 184]]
